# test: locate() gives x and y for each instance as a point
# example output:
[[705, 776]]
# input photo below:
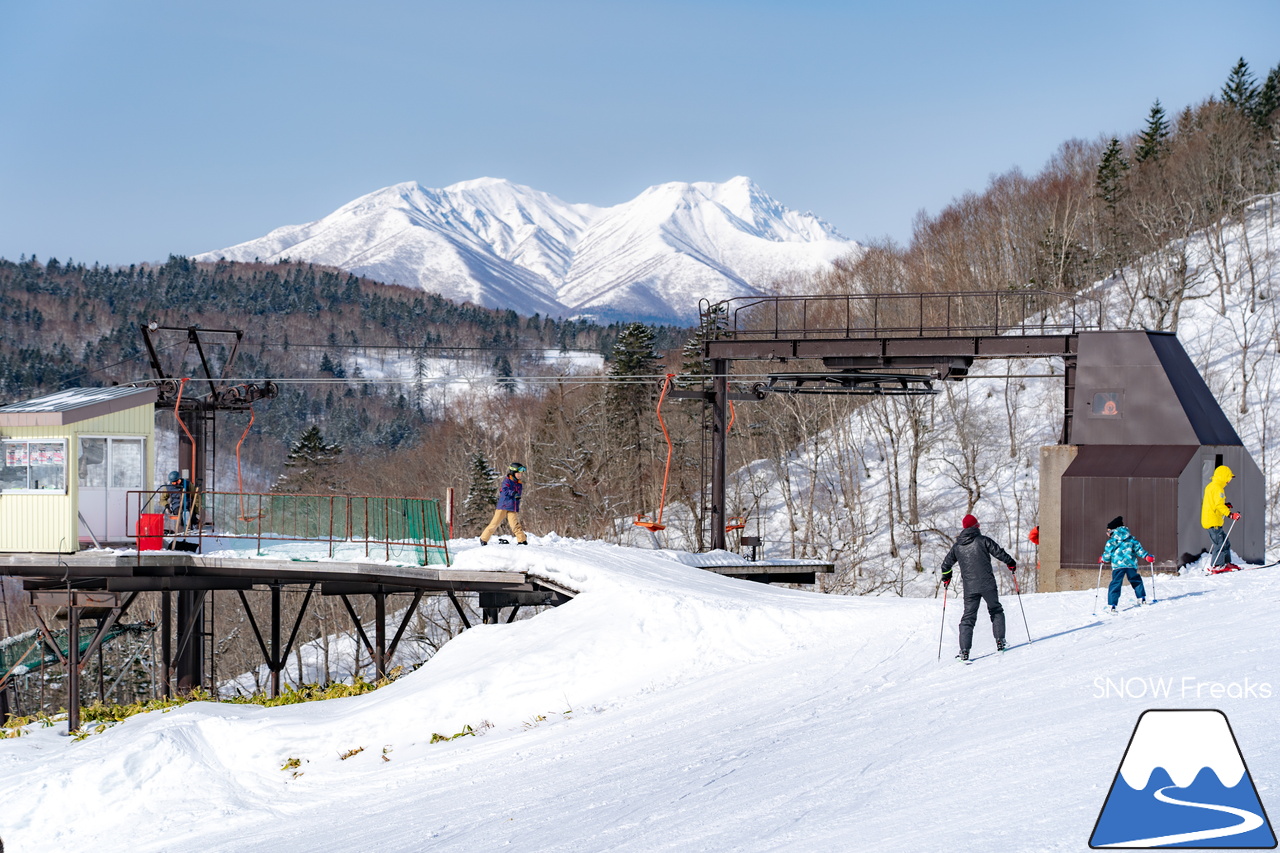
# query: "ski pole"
[[1225, 537], [943, 629], [1018, 590], [1152, 564], [1097, 586]]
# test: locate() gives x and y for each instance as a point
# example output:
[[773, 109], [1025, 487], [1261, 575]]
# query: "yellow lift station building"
[[67, 462]]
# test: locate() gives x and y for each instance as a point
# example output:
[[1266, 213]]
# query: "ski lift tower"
[[195, 405], [196, 402]]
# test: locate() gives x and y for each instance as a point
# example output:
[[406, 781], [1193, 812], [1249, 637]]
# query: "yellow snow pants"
[[511, 518]]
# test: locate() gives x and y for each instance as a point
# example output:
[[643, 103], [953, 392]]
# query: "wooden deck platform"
[[775, 571], [176, 570]]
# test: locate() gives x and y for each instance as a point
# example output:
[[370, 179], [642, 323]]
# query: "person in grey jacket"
[[974, 552]]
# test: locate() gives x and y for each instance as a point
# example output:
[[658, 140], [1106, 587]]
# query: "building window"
[[34, 466], [1107, 404], [114, 463]]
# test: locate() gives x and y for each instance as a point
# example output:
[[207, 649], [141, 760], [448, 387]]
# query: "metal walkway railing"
[[877, 315], [344, 526]]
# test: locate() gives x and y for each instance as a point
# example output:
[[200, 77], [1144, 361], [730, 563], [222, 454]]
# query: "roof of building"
[[1140, 388], [1128, 460], [75, 404]]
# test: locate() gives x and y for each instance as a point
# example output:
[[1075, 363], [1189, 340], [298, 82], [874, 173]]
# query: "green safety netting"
[[402, 528], [30, 650]]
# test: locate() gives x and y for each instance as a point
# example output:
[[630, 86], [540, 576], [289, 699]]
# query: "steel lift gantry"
[[875, 344]]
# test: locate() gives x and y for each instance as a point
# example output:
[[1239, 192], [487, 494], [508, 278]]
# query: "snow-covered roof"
[[75, 404]]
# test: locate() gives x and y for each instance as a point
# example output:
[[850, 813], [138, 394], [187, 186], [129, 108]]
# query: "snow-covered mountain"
[[502, 245]]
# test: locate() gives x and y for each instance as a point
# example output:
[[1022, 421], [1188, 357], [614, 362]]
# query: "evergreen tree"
[[629, 409], [502, 369], [633, 353], [1268, 98], [1151, 143], [1109, 188], [419, 377], [633, 367], [1241, 91], [1109, 185], [692, 357], [311, 465], [482, 494]]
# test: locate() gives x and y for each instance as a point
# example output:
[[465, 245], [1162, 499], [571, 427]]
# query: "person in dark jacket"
[[508, 508], [1123, 551], [177, 501], [974, 552]]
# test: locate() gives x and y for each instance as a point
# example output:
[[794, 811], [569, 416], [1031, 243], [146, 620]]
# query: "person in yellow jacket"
[[1214, 511]]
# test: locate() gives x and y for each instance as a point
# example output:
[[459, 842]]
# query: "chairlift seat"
[[647, 523]]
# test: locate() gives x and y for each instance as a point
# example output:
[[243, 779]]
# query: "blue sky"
[[137, 129]]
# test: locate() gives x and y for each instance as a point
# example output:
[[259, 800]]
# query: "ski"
[[995, 653], [1126, 609], [1221, 570]]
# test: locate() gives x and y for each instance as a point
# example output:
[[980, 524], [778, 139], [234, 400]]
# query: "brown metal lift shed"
[[1146, 437]]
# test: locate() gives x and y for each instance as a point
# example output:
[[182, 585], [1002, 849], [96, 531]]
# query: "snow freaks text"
[[1184, 687]]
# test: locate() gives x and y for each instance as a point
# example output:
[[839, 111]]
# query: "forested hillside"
[[307, 327]]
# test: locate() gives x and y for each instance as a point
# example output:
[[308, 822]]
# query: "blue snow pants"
[[1117, 581]]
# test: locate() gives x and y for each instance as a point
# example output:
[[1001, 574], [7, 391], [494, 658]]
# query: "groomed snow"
[[669, 708]]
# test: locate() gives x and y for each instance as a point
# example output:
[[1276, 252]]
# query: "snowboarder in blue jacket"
[[1123, 551], [508, 508]]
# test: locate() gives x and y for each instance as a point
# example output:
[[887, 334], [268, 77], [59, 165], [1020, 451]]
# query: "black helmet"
[[174, 475], [516, 468]]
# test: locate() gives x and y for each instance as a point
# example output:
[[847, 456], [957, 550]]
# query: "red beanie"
[[968, 521]]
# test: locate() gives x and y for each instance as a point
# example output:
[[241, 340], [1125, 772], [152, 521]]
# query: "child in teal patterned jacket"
[[1123, 552]]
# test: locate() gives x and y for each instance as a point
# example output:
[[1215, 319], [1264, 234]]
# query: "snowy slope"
[[503, 245], [666, 708]]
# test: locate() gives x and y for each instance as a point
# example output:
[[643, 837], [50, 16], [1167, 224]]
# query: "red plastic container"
[[151, 531]]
